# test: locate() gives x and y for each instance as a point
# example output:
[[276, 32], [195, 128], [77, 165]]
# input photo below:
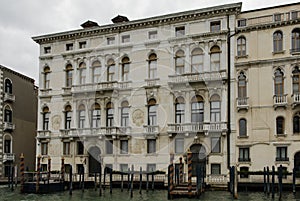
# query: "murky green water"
[[159, 195]]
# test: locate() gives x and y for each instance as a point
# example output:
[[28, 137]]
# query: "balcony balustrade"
[[197, 127], [198, 77], [101, 131], [280, 100], [242, 103], [8, 126], [94, 87], [9, 97], [8, 157], [152, 82]]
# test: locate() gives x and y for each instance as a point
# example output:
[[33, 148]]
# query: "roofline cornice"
[[17, 73], [203, 13]]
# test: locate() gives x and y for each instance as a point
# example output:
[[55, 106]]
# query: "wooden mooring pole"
[[82, 172], [131, 183], [62, 171], [265, 180], [141, 180], [180, 171], [280, 181], [37, 185], [71, 180], [294, 180], [268, 180], [100, 181], [273, 182], [189, 161], [22, 169], [49, 170]]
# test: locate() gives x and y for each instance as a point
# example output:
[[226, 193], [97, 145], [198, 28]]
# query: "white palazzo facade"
[[133, 92], [267, 86]]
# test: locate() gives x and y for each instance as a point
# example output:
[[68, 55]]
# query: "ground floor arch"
[[199, 157], [94, 159]]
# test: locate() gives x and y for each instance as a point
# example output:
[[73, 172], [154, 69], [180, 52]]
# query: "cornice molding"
[[223, 10]]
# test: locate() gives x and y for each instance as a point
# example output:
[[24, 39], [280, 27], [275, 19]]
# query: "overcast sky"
[[22, 19]]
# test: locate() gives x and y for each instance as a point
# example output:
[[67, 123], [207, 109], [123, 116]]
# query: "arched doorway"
[[94, 159], [198, 157], [297, 162]]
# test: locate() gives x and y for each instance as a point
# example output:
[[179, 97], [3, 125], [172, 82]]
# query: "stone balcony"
[[8, 157], [197, 128], [8, 126], [152, 82], [9, 97], [242, 103], [102, 86], [151, 131], [296, 99], [100, 132], [280, 101], [198, 77], [43, 134]]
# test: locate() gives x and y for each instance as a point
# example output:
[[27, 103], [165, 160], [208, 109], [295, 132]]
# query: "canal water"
[[158, 195]]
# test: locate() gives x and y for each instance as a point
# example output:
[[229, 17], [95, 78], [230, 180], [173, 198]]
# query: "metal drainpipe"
[[229, 90]]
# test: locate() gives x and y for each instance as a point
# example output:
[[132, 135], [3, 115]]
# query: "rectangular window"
[[152, 34], [242, 23], [110, 117], [110, 166], [44, 148], [179, 31], [81, 119], [126, 39], [244, 155], [151, 146], [151, 167], [215, 111], [109, 146], [7, 148], [124, 146], [152, 69], [215, 169], [179, 145], [66, 148], [69, 46], [277, 17], [294, 15], [215, 145], [68, 118], [80, 148], [82, 44], [47, 50], [110, 40], [44, 167], [215, 26], [281, 154], [124, 167]]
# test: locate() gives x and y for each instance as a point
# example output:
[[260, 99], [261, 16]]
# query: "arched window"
[[296, 40], [47, 77], [109, 114], [81, 116], [197, 109], [279, 125], [242, 127], [277, 41], [111, 70], [242, 87], [8, 86], [152, 112], [241, 46], [152, 71], [68, 117], [279, 82], [296, 123], [96, 116], [179, 110], [179, 62], [215, 108], [125, 114], [82, 73], [125, 69], [197, 61], [96, 71], [69, 75], [46, 115], [296, 80], [215, 58]]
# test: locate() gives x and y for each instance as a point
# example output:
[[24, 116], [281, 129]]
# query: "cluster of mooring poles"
[[98, 179], [176, 184]]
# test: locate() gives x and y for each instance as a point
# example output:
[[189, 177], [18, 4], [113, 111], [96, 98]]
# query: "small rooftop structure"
[[119, 19], [89, 24]]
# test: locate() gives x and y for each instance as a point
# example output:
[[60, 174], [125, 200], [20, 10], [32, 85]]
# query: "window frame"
[[277, 41]]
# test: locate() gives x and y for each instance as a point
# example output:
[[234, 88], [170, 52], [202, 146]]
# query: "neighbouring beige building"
[[267, 86], [132, 92], [18, 109]]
